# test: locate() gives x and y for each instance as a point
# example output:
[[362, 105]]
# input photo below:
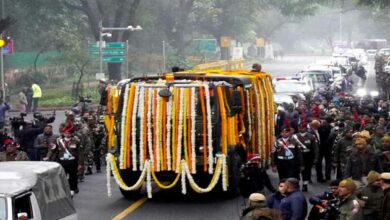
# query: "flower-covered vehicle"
[[188, 129]]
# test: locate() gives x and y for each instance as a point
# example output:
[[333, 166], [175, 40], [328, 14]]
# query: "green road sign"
[[115, 45], [206, 45], [109, 52], [113, 59]]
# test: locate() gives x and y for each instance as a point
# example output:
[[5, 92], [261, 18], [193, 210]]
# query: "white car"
[[371, 53], [292, 87], [384, 51], [386, 69]]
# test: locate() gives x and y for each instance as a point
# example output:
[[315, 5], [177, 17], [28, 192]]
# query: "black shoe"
[[98, 171], [76, 190], [304, 188]]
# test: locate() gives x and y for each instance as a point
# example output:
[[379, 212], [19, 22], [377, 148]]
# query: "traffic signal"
[[4, 41]]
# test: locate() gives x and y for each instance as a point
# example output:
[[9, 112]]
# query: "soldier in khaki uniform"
[[385, 177], [11, 152], [350, 208], [372, 197]]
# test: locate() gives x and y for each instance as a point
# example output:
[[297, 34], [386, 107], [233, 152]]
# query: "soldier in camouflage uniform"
[[376, 139], [11, 152], [87, 143], [341, 151]]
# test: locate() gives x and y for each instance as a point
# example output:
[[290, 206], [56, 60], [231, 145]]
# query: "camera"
[[86, 99], [40, 118], [16, 122]]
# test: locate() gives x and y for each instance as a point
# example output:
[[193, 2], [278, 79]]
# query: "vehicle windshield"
[[317, 78], [3, 208], [289, 87]]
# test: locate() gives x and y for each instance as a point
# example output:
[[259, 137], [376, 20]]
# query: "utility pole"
[[2, 59], [164, 59]]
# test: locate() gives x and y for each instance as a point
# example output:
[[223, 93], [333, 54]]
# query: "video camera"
[[85, 99], [16, 122], [47, 119], [332, 210]]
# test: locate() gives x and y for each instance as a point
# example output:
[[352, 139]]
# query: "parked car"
[[319, 79], [34, 190], [371, 53], [292, 86]]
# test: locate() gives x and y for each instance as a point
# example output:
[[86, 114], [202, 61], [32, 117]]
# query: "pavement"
[[93, 203]]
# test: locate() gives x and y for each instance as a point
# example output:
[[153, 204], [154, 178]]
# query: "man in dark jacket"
[[44, 141], [325, 151], [294, 206], [385, 177], [361, 162], [27, 137], [372, 197]]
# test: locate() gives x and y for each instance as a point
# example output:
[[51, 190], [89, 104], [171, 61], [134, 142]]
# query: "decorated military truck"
[[190, 129]]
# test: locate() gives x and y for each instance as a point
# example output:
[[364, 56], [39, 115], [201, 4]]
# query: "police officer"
[[286, 156], [350, 208], [309, 150]]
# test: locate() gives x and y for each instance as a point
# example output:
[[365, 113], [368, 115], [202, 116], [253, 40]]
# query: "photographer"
[[44, 141], [27, 137], [325, 205]]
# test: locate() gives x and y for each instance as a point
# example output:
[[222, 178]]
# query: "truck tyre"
[[234, 164], [130, 177]]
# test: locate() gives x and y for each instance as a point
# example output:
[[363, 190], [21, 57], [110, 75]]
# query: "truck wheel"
[[130, 177], [234, 164]]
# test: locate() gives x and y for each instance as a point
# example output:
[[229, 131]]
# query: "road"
[[92, 201]]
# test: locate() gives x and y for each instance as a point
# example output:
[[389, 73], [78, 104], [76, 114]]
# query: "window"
[[22, 204], [3, 209]]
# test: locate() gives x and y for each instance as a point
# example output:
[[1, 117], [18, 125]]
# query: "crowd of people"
[[346, 138], [78, 145]]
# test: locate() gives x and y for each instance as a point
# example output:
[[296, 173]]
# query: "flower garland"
[[193, 132], [134, 129], [180, 129], [209, 127], [149, 126], [168, 136], [123, 130], [111, 163], [157, 133], [219, 169], [142, 129], [183, 178], [108, 176], [148, 180], [258, 117], [204, 127]]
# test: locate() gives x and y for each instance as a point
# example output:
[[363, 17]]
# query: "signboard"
[[260, 42], [206, 45], [99, 76], [110, 52], [113, 59], [9, 48], [225, 41]]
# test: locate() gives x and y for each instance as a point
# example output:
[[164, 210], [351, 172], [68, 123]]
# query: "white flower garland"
[[249, 115], [183, 178], [158, 127], [209, 127], [140, 115], [111, 159], [193, 132], [108, 176], [123, 123], [180, 129], [168, 136], [149, 180], [224, 173], [258, 97], [211, 186], [134, 129], [149, 126]]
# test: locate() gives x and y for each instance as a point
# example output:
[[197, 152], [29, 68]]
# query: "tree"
[[114, 13]]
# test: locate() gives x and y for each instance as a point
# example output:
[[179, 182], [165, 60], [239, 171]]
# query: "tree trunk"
[[114, 71]]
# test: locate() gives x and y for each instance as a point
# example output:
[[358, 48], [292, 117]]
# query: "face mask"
[[67, 138]]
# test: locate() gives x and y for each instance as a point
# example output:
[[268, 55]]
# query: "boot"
[[304, 188], [89, 171]]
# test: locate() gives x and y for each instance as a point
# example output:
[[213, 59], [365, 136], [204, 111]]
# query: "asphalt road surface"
[[93, 203]]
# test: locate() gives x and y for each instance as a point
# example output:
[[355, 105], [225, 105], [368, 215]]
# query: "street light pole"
[[102, 29]]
